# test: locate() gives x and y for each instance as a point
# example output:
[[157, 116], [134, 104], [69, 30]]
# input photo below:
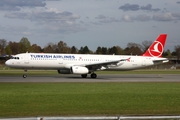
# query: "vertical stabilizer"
[[157, 47]]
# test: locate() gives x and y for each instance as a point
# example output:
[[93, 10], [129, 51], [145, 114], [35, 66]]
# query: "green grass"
[[69, 99]]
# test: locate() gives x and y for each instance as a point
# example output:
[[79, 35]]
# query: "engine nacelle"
[[120, 63], [79, 70], [64, 71]]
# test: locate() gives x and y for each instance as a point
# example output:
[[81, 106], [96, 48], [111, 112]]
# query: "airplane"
[[84, 64]]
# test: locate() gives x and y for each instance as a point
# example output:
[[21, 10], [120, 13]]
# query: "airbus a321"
[[84, 64]]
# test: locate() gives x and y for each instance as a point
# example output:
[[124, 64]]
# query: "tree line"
[[24, 45]]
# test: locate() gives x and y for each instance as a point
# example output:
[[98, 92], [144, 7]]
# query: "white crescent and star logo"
[[156, 49]]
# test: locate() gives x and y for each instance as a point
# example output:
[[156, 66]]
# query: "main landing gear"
[[93, 75], [84, 75]]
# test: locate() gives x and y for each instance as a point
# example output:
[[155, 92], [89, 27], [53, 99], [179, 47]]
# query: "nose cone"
[[8, 63]]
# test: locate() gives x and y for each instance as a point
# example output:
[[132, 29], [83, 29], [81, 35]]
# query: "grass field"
[[69, 99], [79, 99]]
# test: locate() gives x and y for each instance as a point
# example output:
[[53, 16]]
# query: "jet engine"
[[120, 63], [79, 70]]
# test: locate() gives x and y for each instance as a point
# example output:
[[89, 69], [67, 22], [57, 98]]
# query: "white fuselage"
[[65, 61]]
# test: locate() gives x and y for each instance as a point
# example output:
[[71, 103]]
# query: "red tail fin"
[[156, 49]]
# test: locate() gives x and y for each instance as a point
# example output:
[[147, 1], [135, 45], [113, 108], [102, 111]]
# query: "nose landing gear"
[[25, 75]]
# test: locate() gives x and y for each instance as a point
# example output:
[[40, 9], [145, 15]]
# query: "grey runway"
[[100, 78]]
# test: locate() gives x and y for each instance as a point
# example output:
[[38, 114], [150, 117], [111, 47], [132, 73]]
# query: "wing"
[[103, 65], [97, 66]]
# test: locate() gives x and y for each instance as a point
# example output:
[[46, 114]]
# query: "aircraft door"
[[26, 59]]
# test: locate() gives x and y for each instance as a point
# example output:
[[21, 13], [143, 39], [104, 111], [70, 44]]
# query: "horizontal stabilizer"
[[163, 60]]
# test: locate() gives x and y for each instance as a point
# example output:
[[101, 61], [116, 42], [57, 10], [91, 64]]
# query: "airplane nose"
[[7, 63]]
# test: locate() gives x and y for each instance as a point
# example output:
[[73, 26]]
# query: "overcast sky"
[[90, 23]]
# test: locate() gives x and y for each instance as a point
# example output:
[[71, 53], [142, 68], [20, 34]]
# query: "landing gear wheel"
[[93, 75], [24, 76], [84, 75]]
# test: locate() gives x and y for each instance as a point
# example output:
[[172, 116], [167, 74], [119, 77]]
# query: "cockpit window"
[[17, 58]]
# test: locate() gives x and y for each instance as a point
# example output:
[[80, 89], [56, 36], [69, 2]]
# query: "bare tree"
[[145, 45]]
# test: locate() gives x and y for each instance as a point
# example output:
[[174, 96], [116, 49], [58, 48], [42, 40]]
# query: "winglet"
[[157, 47]]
